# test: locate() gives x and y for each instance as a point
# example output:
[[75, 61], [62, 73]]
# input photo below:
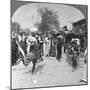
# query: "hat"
[[33, 29], [69, 26]]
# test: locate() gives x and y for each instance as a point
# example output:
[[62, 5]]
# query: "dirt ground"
[[48, 72]]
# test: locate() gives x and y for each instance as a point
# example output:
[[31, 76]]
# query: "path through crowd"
[[49, 72]]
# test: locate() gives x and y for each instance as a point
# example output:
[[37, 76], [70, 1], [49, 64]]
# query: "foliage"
[[49, 20], [15, 27]]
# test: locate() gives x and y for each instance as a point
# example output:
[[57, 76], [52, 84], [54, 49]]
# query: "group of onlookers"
[[34, 47]]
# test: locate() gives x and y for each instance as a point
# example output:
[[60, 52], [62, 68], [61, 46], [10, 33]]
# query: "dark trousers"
[[34, 64], [74, 61], [41, 49], [59, 51]]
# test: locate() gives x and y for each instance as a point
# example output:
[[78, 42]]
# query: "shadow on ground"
[[38, 69]]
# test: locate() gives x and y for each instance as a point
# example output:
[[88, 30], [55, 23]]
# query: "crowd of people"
[[33, 47], [48, 45]]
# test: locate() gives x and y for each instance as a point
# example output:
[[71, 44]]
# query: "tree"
[[15, 27], [49, 20]]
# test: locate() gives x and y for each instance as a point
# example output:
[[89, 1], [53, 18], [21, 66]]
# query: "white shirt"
[[31, 39]]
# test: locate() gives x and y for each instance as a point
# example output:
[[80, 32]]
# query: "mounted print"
[[49, 44]]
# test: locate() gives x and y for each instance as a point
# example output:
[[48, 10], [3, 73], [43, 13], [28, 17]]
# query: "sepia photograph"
[[49, 44]]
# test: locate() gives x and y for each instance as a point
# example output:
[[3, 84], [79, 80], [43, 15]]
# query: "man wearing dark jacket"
[[59, 47]]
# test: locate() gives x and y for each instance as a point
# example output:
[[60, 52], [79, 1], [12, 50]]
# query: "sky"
[[27, 15]]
